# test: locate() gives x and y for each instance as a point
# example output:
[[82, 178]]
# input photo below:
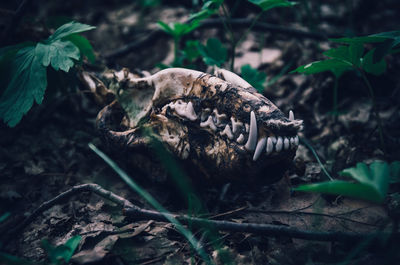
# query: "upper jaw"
[[258, 137]]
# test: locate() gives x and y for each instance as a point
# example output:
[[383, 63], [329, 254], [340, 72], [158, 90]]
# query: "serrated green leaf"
[[177, 30], [254, 77], [59, 54], [83, 45], [341, 52], [269, 4], [369, 66], [372, 183], [214, 53], [68, 29], [361, 40], [27, 84], [209, 8], [334, 65], [356, 51]]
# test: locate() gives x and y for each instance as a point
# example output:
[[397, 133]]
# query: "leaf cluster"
[[27, 64], [371, 182], [351, 55]]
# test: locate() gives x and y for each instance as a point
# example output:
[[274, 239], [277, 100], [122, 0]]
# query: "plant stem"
[[176, 44], [374, 108], [229, 29]]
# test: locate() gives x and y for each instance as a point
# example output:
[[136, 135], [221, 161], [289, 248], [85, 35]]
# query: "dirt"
[[48, 153]]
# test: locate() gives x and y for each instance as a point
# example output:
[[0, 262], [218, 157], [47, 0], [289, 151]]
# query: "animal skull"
[[221, 125]]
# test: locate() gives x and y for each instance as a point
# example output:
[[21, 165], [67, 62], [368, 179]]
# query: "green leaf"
[[372, 183], [59, 54], [209, 8], [373, 68], [254, 77], [28, 83], [68, 29], [177, 30], [191, 52], [61, 254], [395, 172], [344, 188], [84, 46], [269, 4], [214, 53], [336, 66], [4, 216]]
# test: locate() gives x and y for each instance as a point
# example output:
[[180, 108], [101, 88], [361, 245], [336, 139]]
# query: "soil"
[[47, 152]]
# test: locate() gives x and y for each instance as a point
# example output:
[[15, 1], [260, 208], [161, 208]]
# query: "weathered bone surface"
[[223, 129]]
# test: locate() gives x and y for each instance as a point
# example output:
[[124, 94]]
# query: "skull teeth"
[[213, 120], [209, 123], [252, 140]]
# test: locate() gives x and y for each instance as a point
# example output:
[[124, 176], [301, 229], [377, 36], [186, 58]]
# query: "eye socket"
[[246, 107]]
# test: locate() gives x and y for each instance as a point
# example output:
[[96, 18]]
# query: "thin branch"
[[217, 22], [66, 194], [137, 213]]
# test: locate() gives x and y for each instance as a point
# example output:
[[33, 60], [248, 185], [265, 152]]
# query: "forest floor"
[[48, 153]]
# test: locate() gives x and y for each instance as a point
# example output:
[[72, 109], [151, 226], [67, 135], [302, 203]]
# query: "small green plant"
[[254, 77], [28, 71], [177, 31], [61, 254], [351, 56], [213, 53], [371, 182]]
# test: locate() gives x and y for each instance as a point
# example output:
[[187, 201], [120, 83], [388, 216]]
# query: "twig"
[[311, 214], [137, 213], [218, 22], [66, 194]]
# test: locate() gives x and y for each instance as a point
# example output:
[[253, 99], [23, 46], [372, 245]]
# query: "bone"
[[231, 77], [240, 139], [291, 115], [205, 113], [292, 145], [259, 148], [296, 140], [235, 124], [219, 118], [190, 113], [279, 144], [184, 109], [273, 139], [209, 123], [228, 132], [286, 143], [270, 146], [252, 141]]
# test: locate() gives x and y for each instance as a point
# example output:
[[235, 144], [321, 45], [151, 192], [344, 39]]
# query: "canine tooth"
[[296, 140], [247, 127], [209, 123], [252, 141], [291, 142], [286, 143], [291, 115], [270, 145], [205, 114], [190, 113], [235, 124], [279, 144], [227, 131], [240, 139], [259, 148]]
